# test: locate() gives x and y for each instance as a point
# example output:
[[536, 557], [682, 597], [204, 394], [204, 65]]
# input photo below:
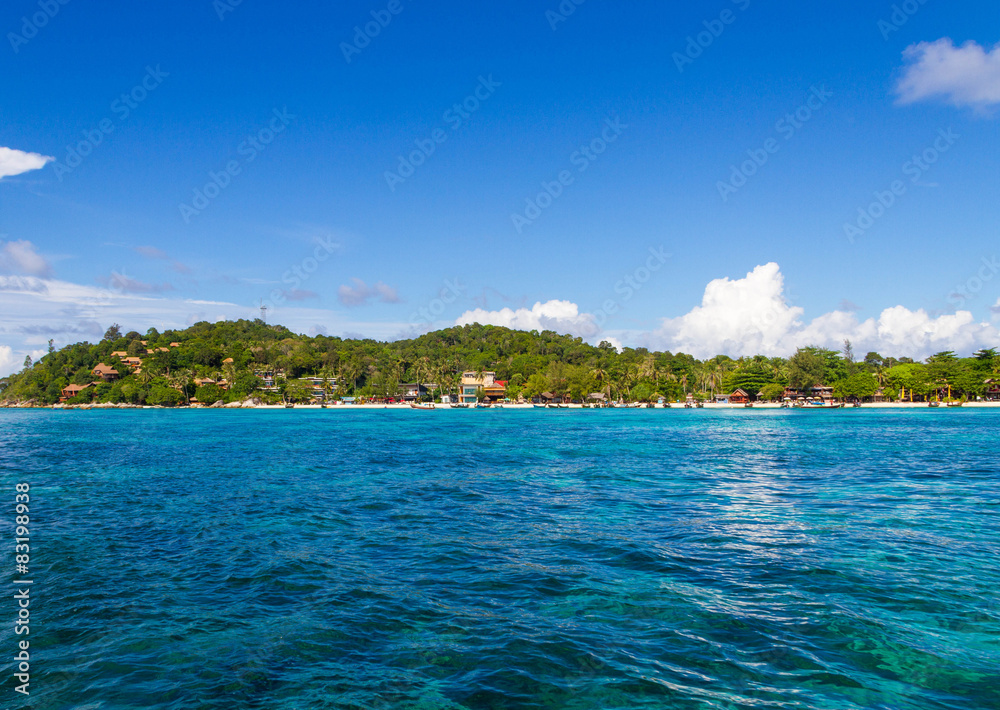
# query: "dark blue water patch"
[[601, 559]]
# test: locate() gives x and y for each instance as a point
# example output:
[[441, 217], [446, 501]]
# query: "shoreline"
[[518, 407]]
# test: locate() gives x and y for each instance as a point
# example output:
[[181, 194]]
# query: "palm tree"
[[601, 376]]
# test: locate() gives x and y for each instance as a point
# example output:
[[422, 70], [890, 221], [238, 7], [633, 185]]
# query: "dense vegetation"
[[531, 363]]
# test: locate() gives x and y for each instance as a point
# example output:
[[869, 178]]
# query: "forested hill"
[[530, 362]]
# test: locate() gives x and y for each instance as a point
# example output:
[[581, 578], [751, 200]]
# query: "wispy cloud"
[[962, 76], [20, 257], [15, 162], [126, 284], [160, 255], [299, 294], [361, 293]]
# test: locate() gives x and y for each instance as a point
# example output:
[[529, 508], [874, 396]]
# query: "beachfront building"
[[71, 391], [105, 372], [739, 397], [318, 386], [822, 392], [413, 391], [484, 383]]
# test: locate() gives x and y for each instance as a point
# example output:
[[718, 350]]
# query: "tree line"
[[531, 363]]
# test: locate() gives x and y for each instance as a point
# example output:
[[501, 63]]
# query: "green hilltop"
[[177, 365]]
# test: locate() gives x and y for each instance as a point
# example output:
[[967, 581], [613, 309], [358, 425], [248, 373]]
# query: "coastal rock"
[[218, 405]]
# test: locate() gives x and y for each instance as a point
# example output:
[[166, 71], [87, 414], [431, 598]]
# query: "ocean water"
[[506, 559]]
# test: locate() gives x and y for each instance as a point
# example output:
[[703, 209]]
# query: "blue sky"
[[302, 119]]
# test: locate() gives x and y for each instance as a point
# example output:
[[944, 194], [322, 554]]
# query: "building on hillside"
[[71, 391], [318, 386], [267, 379], [132, 361], [121, 354], [105, 372], [175, 345]]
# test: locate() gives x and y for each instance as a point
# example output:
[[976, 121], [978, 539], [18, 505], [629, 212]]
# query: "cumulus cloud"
[[15, 162], [20, 257], [361, 293], [751, 316], [560, 316], [963, 76], [8, 361], [745, 315]]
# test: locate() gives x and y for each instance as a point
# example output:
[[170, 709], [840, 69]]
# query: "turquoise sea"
[[506, 559]]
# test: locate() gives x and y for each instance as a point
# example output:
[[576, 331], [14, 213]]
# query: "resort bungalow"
[[105, 372], [119, 354], [267, 378], [822, 392], [495, 392], [739, 397], [71, 391], [132, 361], [317, 386]]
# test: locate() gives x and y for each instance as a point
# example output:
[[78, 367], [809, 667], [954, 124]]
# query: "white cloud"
[[33, 309], [750, 316], [560, 316], [361, 293], [20, 257], [963, 76], [743, 315], [15, 162], [8, 361]]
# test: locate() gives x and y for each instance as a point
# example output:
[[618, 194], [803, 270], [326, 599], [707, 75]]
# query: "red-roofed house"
[[71, 391], [105, 372]]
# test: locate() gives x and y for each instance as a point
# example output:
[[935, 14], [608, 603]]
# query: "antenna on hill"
[[263, 312]]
